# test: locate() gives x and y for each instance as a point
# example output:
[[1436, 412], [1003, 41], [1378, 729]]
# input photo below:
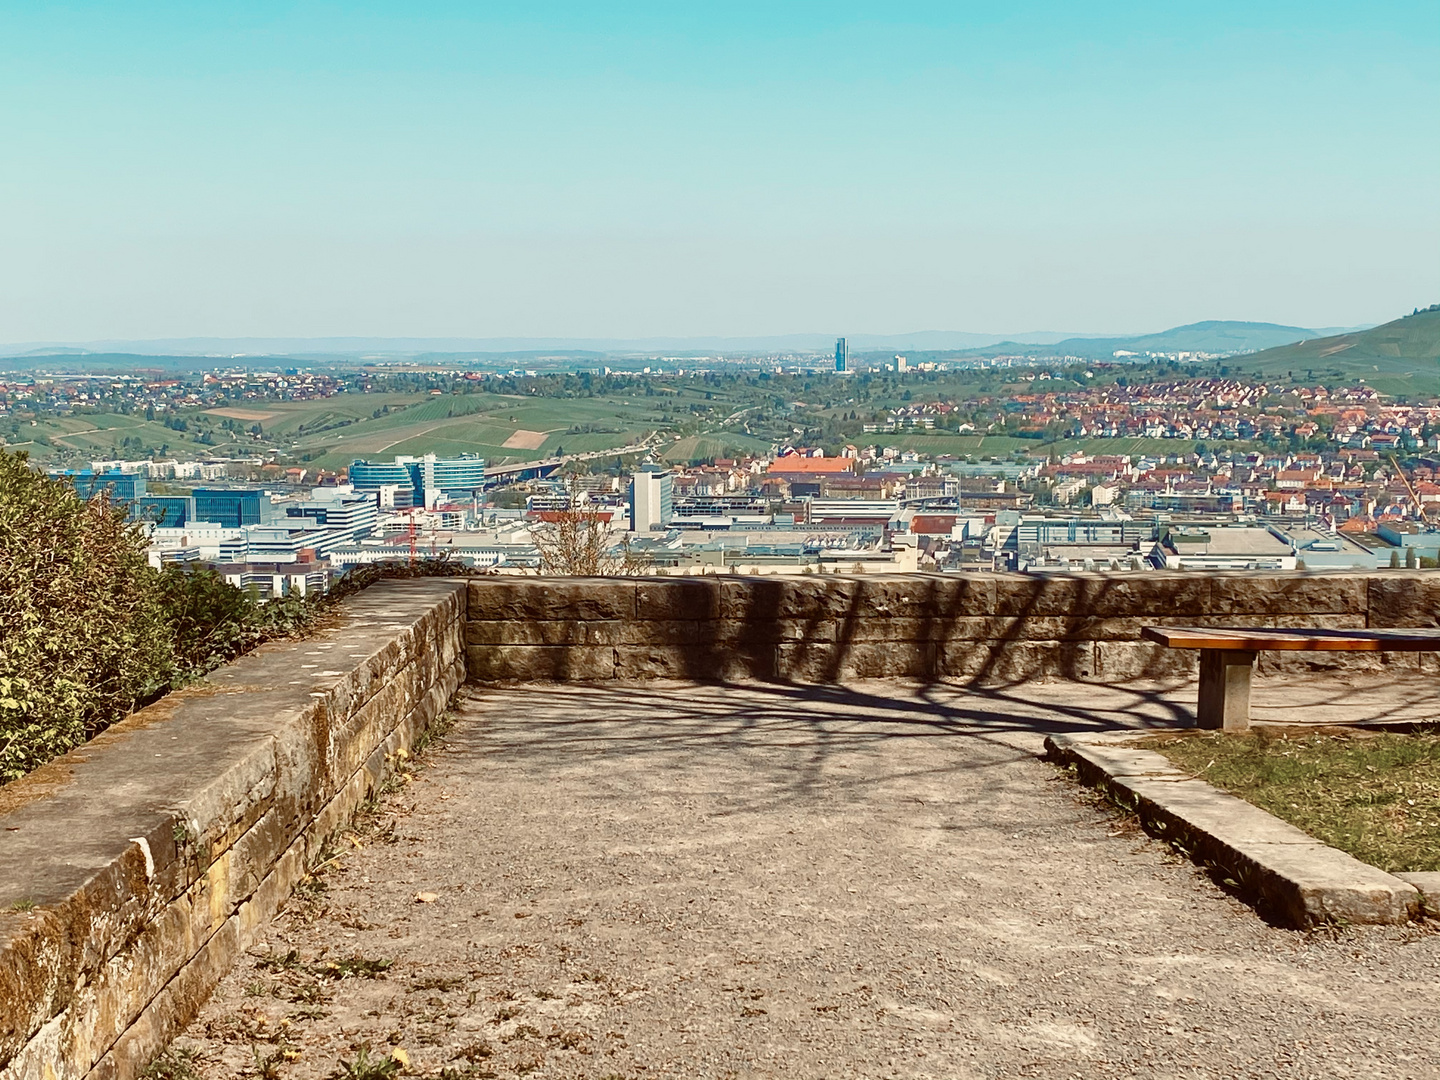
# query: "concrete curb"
[[1291, 878]]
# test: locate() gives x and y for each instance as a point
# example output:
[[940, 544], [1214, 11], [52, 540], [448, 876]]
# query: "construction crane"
[[410, 513], [1414, 497]]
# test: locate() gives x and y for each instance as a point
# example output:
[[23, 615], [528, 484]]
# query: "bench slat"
[[1260, 638]]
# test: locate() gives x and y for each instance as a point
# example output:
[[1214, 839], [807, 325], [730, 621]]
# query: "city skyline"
[[373, 171]]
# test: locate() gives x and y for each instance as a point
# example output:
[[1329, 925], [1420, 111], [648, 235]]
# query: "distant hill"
[[1396, 357], [1214, 336]]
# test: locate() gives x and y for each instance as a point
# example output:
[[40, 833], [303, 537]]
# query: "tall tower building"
[[842, 356], [652, 503]]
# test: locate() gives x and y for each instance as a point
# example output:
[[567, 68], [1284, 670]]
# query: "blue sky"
[[556, 169]]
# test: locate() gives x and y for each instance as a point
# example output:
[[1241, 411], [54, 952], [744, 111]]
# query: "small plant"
[[22, 906], [289, 962], [365, 1067], [357, 965], [175, 1063], [267, 1066]]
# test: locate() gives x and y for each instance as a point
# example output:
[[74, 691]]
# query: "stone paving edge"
[[1290, 878]]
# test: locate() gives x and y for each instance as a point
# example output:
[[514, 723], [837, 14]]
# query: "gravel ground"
[[879, 881]]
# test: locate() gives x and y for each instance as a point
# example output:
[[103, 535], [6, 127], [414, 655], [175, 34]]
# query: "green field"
[[104, 435], [332, 432], [713, 445], [482, 424]]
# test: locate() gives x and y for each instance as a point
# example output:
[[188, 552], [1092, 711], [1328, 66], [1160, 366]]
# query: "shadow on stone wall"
[[979, 630]]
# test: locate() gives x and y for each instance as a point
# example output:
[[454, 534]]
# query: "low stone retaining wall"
[[984, 628], [133, 869]]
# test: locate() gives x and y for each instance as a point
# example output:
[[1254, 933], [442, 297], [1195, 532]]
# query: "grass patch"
[[1374, 795]]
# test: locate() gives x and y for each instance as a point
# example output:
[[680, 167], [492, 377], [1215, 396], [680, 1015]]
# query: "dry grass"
[[1375, 795]]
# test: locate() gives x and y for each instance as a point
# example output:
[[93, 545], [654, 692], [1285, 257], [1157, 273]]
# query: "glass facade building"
[[417, 475], [124, 487], [166, 511], [231, 508]]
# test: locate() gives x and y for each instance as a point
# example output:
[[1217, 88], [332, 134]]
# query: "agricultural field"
[[81, 438], [716, 444], [499, 428]]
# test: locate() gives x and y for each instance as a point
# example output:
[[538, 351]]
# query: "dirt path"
[[688, 882]]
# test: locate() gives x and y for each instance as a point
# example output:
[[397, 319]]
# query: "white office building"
[[652, 501]]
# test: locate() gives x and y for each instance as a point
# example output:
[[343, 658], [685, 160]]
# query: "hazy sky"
[[634, 169]]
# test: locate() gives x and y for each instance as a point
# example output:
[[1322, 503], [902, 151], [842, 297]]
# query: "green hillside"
[[1400, 357]]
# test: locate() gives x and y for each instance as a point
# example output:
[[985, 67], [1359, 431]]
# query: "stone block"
[[1139, 596], [1127, 661], [539, 663], [936, 597], [169, 1011], [537, 632], [1318, 622], [681, 598], [1404, 598], [36, 977], [551, 599], [877, 628], [1276, 662], [1428, 882], [891, 660], [1288, 594], [1016, 661], [1290, 876], [725, 633], [694, 663], [809, 599], [834, 663]]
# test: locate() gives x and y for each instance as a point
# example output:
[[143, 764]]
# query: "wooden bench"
[[1227, 658]]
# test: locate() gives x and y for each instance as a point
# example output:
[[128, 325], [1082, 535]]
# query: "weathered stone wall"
[[133, 869], [981, 628]]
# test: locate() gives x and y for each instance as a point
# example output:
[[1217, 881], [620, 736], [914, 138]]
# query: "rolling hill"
[[1399, 357]]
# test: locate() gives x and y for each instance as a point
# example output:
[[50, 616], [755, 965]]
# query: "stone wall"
[[990, 628], [133, 869]]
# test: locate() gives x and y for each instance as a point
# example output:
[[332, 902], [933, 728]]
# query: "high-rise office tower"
[[651, 500], [842, 356]]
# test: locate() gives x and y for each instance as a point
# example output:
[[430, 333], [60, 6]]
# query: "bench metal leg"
[[1225, 689]]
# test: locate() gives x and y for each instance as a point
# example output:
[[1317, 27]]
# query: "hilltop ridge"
[[1397, 357]]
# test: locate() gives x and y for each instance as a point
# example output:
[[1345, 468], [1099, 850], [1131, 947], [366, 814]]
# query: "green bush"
[[83, 631], [211, 621], [89, 630]]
